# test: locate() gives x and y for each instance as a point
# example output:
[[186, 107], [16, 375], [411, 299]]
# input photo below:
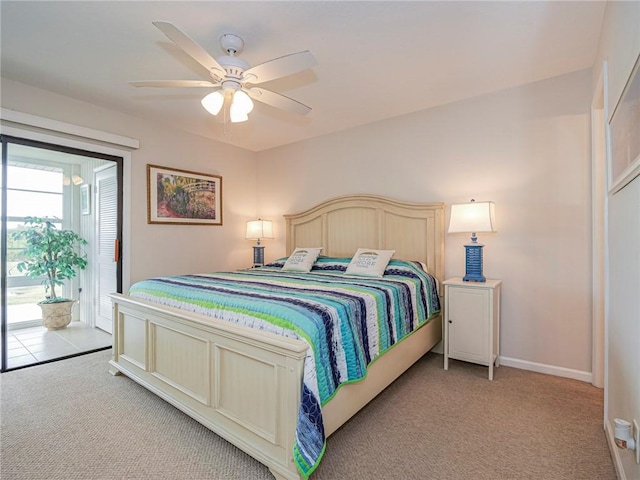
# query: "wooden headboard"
[[344, 224]]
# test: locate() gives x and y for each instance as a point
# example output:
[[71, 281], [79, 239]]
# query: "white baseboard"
[[548, 369], [615, 451]]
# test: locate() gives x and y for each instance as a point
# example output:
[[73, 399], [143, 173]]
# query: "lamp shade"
[[257, 229], [213, 102], [236, 114], [474, 217], [243, 101]]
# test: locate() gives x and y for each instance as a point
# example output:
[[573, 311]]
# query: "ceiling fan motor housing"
[[234, 66]]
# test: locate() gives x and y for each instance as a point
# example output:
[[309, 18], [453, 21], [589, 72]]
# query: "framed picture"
[[85, 199], [183, 197], [624, 140]]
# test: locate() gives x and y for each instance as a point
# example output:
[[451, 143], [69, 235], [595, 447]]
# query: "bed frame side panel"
[[213, 373]]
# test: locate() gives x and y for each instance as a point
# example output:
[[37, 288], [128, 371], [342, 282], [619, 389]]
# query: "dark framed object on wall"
[[624, 136], [177, 196]]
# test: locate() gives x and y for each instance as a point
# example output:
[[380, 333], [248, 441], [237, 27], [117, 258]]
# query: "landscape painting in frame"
[[182, 197], [624, 128]]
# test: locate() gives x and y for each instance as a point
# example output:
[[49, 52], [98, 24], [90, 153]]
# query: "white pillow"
[[301, 259], [369, 263]]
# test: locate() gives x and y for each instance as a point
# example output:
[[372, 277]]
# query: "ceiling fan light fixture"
[[236, 114], [243, 102], [231, 74], [212, 103]]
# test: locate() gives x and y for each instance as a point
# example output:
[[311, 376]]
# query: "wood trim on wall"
[[68, 128]]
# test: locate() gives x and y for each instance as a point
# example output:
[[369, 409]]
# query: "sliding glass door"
[[57, 184]]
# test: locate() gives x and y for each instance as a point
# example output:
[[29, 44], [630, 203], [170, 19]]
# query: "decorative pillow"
[[369, 263], [301, 259]]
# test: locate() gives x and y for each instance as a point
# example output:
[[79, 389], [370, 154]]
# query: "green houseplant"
[[55, 255]]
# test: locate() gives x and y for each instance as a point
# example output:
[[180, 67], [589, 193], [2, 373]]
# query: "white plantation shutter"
[[106, 235]]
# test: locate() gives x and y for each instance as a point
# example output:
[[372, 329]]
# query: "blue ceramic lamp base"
[[258, 256], [474, 263]]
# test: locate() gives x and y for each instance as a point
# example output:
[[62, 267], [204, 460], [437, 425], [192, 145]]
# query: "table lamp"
[[474, 217], [257, 230]]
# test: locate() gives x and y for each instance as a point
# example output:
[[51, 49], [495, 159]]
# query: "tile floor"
[[36, 344]]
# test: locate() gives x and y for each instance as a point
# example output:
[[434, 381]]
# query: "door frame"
[[599, 202], [57, 134]]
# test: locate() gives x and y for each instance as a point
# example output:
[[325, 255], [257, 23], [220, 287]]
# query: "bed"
[[205, 366]]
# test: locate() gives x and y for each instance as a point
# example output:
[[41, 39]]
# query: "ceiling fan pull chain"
[[227, 124]]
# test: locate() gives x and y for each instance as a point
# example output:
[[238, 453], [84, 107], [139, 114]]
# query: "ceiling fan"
[[233, 80]]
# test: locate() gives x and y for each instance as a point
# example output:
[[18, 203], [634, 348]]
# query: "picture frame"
[[176, 196], [85, 199], [624, 141]]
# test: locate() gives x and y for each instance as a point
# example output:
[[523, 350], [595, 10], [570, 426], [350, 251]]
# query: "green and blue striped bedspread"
[[348, 321]]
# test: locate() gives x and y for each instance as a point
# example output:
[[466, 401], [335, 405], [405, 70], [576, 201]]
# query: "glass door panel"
[[34, 189], [45, 183]]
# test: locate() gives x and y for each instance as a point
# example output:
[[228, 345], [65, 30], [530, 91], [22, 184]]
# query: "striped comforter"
[[347, 321]]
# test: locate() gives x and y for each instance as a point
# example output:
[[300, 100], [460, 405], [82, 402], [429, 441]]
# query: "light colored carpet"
[[73, 420]]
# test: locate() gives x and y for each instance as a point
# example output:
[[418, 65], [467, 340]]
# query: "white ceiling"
[[377, 60]]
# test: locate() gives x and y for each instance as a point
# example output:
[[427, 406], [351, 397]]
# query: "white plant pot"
[[56, 315]]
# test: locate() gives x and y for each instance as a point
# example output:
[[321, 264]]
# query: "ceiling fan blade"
[[280, 67], [175, 83], [278, 100], [194, 50]]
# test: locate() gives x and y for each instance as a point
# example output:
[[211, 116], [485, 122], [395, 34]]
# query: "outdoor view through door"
[[77, 192]]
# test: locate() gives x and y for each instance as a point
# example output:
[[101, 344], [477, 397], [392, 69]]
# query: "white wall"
[[525, 148], [620, 47], [623, 327], [163, 249]]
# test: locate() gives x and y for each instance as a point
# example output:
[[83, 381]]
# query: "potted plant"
[[56, 255]]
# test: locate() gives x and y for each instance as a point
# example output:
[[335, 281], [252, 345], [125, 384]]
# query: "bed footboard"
[[241, 383]]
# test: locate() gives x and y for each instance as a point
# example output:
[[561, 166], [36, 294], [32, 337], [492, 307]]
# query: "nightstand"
[[472, 322]]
